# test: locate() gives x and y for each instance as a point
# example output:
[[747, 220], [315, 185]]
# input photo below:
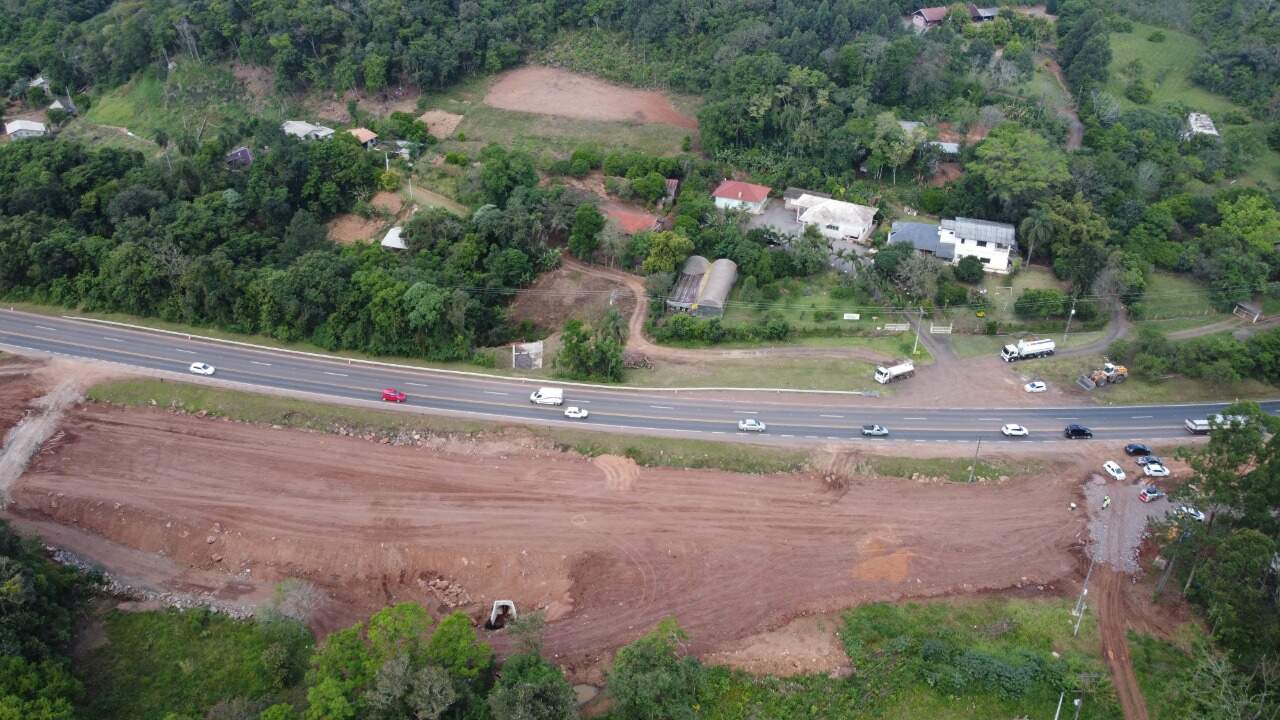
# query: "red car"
[[393, 395]]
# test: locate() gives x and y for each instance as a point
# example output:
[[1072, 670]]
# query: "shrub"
[[1040, 304], [457, 158], [1138, 91], [583, 161], [950, 294], [1156, 37], [1121, 25], [933, 200], [969, 270]]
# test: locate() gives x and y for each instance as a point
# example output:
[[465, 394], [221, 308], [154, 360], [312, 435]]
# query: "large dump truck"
[[885, 375], [1028, 349]]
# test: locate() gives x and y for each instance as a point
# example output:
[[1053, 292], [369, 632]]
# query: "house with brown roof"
[[364, 136], [736, 195], [925, 18], [982, 14]]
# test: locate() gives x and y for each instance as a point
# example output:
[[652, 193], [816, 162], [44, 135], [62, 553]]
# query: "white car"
[[751, 425], [1034, 387], [576, 413], [1155, 470], [1112, 469], [200, 368], [1190, 512], [875, 430], [1012, 430]]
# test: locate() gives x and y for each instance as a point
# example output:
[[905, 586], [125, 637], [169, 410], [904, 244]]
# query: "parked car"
[[875, 430], [1012, 430], [1150, 493], [393, 395], [1035, 387], [1189, 512], [1136, 449], [1077, 432], [1111, 468], [576, 413], [1149, 459], [751, 425], [1155, 470], [200, 368]]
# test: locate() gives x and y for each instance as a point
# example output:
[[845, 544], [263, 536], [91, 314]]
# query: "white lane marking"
[[788, 436], [416, 384], [747, 412], [584, 402], [111, 339], [812, 437], [46, 327], [255, 362], [907, 418], [1070, 418], [832, 437], [1141, 417], [835, 417], [662, 407], [335, 374], [189, 352], [919, 441], [717, 432], [991, 419], [493, 392], [942, 441]]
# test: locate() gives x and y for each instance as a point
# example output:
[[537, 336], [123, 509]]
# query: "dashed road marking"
[[111, 339], [494, 392], [1067, 418], [1141, 417], [46, 327], [416, 384], [833, 417], [913, 418], [746, 412], [256, 362], [189, 352], [662, 407], [335, 374]]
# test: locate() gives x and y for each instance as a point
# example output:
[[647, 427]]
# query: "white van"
[[1197, 427], [547, 396]]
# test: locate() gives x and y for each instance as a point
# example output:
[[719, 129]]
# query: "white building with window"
[[993, 243], [834, 219], [304, 130]]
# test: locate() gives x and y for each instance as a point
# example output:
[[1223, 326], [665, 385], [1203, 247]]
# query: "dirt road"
[[606, 548], [1113, 627], [1075, 128]]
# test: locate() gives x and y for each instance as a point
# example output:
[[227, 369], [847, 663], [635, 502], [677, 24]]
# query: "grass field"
[[155, 663], [1161, 667], [953, 469], [1002, 292], [805, 373], [1176, 302], [1167, 69], [803, 302]]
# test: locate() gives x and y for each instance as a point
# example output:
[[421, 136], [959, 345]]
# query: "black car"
[[1137, 449], [1149, 460], [1077, 432]]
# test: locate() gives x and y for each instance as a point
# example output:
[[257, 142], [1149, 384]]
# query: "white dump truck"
[[885, 375], [1027, 349], [547, 396]]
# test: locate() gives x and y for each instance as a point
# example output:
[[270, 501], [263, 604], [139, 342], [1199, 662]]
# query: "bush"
[[933, 200], [1121, 25], [1038, 304], [583, 161], [1156, 37], [1138, 91], [1273, 136], [969, 270], [457, 158]]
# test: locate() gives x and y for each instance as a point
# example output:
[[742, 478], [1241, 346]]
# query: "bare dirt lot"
[[441, 124], [606, 548], [350, 228], [568, 292], [17, 389], [552, 91]]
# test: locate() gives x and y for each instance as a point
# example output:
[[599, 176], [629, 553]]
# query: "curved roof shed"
[[717, 283]]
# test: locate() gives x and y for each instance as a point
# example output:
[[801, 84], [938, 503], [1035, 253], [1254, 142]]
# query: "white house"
[[735, 195], [992, 243], [39, 82], [304, 130], [19, 129], [834, 219]]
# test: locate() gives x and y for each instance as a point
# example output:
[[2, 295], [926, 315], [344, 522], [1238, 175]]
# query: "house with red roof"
[[928, 17], [735, 195]]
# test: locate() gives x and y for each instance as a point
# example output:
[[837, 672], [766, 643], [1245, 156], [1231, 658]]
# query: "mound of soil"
[[566, 293], [552, 91]]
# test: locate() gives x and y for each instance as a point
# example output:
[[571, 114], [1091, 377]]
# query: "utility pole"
[[974, 465], [1070, 315], [1080, 604], [919, 322]]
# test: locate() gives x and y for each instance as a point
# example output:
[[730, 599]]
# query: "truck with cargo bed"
[[1028, 349], [885, 375]]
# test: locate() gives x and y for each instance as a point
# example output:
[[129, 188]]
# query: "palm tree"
[[1036, 227]]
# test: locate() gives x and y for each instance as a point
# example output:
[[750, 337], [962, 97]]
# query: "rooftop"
[[921, 236], [14, 126], [744, 191], [363, 135], [1201, 124], [981, 230], [824, 211], [393, 239], [932, 14]]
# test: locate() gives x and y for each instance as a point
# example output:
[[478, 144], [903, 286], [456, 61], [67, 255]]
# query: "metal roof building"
[[703, 287]]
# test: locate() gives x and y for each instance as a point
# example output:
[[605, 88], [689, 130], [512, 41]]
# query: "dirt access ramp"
[[607, 549], [553, 91]]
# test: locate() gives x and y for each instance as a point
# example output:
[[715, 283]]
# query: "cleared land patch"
[[552, 91]]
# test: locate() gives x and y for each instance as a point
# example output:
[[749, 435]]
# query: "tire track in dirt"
[[1113, 626]]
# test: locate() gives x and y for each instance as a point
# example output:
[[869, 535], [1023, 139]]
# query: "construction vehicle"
[[885, 375], [1110, 373], [1028, 349]]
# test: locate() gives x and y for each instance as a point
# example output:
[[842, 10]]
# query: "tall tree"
[[1018, 166]]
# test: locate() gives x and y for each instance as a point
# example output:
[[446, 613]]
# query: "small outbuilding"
[[703, 287], [364, 136], [736, 195], [304, 130], [393, 241], [241, 157], [925, 18], [20, 129], [1199, 124], [1249, 311]]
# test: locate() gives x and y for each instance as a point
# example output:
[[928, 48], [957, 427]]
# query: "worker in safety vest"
[[1106, 502]]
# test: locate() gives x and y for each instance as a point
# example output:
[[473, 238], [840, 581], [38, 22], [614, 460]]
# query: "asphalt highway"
[[791, 417]]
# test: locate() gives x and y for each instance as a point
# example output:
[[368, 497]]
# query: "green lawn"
[[804, 373], [1167, 71], [953, 469], [1176, 302], [1162, 668], [1002, 291], [155, 663], [807, 304]]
